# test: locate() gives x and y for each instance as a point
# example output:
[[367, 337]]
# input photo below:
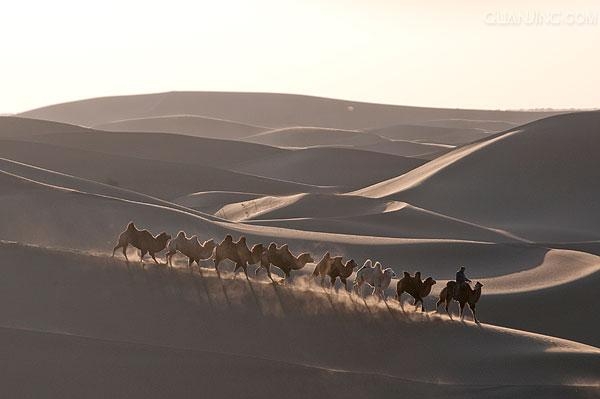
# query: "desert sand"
[[511, 195]]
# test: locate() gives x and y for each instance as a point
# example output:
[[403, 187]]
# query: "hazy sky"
[[501, 54]]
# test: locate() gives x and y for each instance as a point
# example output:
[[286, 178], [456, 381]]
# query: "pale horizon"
[[501, 55]]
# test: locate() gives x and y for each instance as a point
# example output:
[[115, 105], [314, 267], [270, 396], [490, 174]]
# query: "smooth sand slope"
[[315, 136], [49, 215], [163, 179], [327, 166], [262, 109], [184, 124], [538, 181], [432, 134], [94, 317]]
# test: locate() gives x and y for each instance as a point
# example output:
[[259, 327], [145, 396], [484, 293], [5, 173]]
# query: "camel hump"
[[228, 237], [131, 226], [378, 266], [406, 275], [285, 248], [242, 239]]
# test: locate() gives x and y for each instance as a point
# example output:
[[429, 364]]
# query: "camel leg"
[[462, 310], [191, 263], [447, 306], [217, 261], [125, 252], [154, 257], [345, 283], [114, 249], [142, 254], [472, 307]]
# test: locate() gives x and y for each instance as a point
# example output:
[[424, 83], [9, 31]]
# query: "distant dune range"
[[509, 195], [184, 124], [263, 109]]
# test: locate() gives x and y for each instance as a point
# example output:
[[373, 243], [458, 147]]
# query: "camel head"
[[388, 273], [209, 244], [429, 281], [347, 269], [305, 258], [163, 237], [257, 251], [351, 264]]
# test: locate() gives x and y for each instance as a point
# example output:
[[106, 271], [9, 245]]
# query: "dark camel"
[[415, 287], [466, 295]]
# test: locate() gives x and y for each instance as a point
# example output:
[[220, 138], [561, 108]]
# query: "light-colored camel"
[[191, 248], [283, 259], [466, 295], [142, 240], [374, 276], [415, 287], [238, 253]]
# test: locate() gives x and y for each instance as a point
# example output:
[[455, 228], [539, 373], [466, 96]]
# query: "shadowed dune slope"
[[184, 124], [177, 322], [262, 109], [13, 127], [432, 134], [538, 181], [315, 136], [166, 180], [407, 222], [330, 166], [425, 151], [212, 201]]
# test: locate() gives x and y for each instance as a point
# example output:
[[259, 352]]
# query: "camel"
[[375, 276], [343, 271], [414, 287], [467, 295], [191, 248], [142, 240], [238, 253], [323, 267], [283, 259], [334, 268]]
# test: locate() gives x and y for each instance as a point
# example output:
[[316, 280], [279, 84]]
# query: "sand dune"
[[83, 302], [166, 180], [184, 124], [425, 151], [315, 136], [262, 109], [212, 201], [324, 166], [432, 134], [487, 125], [538, 181], [407, 221], [13, 127]]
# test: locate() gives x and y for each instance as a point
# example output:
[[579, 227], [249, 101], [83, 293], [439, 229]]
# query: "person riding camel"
[[461, 280]]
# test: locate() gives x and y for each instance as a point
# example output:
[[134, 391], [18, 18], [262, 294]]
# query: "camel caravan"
[[371, 275]]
